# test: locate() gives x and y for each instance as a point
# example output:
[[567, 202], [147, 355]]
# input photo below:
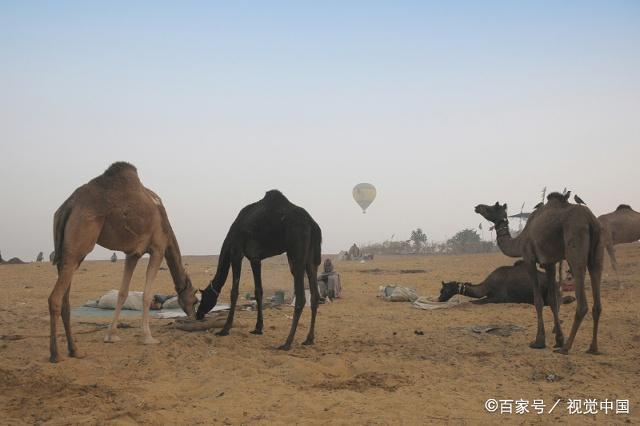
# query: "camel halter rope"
[[502, 228], [216, 292]]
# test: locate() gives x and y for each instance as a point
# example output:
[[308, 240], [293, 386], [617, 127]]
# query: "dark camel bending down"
[[117, 212], [555, 231], [264, 229], [506, 284]]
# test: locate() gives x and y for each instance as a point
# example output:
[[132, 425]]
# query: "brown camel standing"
[[555, 231], [117, 212], [619, 227]]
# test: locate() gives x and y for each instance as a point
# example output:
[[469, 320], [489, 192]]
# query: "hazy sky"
[[440, 106]]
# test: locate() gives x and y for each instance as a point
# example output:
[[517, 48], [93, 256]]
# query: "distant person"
[[329, 281], [354, 252], [40, 257], [52, 256], [114, 258]]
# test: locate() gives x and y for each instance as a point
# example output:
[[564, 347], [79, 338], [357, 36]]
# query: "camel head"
[[187, 298], [496, 213], [448, 290], [207, 302]]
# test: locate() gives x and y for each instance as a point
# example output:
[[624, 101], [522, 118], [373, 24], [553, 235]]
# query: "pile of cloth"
[[396, 293], [134, 301]]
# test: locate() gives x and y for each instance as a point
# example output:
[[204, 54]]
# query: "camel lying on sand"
[[506, 284], [12, 261]]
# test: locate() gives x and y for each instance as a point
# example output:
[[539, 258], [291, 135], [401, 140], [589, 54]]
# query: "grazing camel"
[[506, 284], [618, 227], [555, 231], [117, 212], [264, 229]]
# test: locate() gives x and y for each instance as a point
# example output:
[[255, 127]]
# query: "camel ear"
[[505, 206], [497, 204]]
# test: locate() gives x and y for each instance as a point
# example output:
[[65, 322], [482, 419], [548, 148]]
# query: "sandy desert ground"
[[368, 365]]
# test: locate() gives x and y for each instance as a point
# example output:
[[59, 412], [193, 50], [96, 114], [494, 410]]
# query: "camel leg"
[[65, 273], [66, 320], [595, 272], [129, 265], [312, 274], [581, 301], [553, 298], [538, 301], [486, 300], [614, 263], [80, 238], [236, 266], [612, 256], [152, 270], [298, 285], [256, 267], [560, 273], [558, 290]]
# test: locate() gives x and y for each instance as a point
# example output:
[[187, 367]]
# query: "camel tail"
[[316, 243], [60, 219]]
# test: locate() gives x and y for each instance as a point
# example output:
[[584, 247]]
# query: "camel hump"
[[623, 207], [120, 167], [556, 196], [275, 197]]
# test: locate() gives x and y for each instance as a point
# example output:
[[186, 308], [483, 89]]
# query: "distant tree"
[[467, 241], [465, 236], [419, 239]]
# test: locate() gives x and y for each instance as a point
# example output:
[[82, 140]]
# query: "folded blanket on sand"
[[430, 302], [396, 293], [134, 301]]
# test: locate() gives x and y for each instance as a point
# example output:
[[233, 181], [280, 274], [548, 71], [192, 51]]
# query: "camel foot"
[[559, 343], [594, 351], [562, 351], [256, 331], [285, 347], [76, 354], [54, 359], [111, 338], [222, 333], [308, 342], [537, 345], [148, 340]]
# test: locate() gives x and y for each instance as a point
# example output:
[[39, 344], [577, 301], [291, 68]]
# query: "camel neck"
[[511, 247], [174, 262], [471, 290]]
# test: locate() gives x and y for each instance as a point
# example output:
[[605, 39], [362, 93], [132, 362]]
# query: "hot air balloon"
[[364, 194]]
